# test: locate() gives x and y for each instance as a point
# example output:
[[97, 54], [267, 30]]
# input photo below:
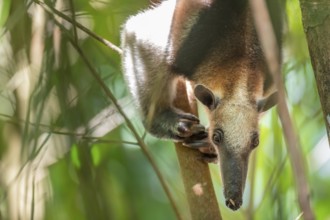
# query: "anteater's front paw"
[[187, 126], [201, 143], [174, 124]]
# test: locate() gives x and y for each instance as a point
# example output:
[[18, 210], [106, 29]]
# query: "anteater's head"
[[234, 133]]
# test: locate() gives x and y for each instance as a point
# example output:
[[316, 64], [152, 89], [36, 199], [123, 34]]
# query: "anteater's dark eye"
[[217, 136], [255, 140]]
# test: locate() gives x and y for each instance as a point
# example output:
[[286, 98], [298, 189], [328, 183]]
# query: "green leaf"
[[75, 156], [96, 156], [4, 11]]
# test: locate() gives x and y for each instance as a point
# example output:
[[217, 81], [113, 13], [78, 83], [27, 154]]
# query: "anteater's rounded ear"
[[206, 96], [267, 103]]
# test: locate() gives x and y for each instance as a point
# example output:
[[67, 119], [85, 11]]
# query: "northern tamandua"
[[213, 44]]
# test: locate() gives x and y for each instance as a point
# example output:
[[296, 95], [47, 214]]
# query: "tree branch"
[[316, 21], [195, 173]]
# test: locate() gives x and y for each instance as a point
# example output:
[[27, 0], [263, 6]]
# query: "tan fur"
[[160, 48]]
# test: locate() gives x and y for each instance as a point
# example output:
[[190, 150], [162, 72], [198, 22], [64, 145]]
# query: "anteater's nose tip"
[[233, 204]]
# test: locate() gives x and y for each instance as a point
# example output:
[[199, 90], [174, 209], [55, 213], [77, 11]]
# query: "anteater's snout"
[[233, 203]]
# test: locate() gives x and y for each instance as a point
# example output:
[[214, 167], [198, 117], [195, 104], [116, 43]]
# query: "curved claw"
[[209, 158], [197, 129], [198, 140], [197, 145], [201, 142], [202, 146], [188, 129], [189, 117]]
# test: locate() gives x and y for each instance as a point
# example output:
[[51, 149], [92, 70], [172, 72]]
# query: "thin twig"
[[52, 10], [73, 15], [50, 130], [269, 44]]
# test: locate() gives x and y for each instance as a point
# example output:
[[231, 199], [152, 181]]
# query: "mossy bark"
[[316, 21]]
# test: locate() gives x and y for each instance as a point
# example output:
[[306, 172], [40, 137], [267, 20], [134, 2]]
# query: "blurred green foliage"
[[109, 177]]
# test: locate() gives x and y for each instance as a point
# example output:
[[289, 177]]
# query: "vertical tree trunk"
[[316, 21], [195, 173]]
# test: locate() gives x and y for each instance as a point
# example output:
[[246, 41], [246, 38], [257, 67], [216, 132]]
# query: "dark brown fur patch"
[[221, 48], [218, 26], [182, 16]]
